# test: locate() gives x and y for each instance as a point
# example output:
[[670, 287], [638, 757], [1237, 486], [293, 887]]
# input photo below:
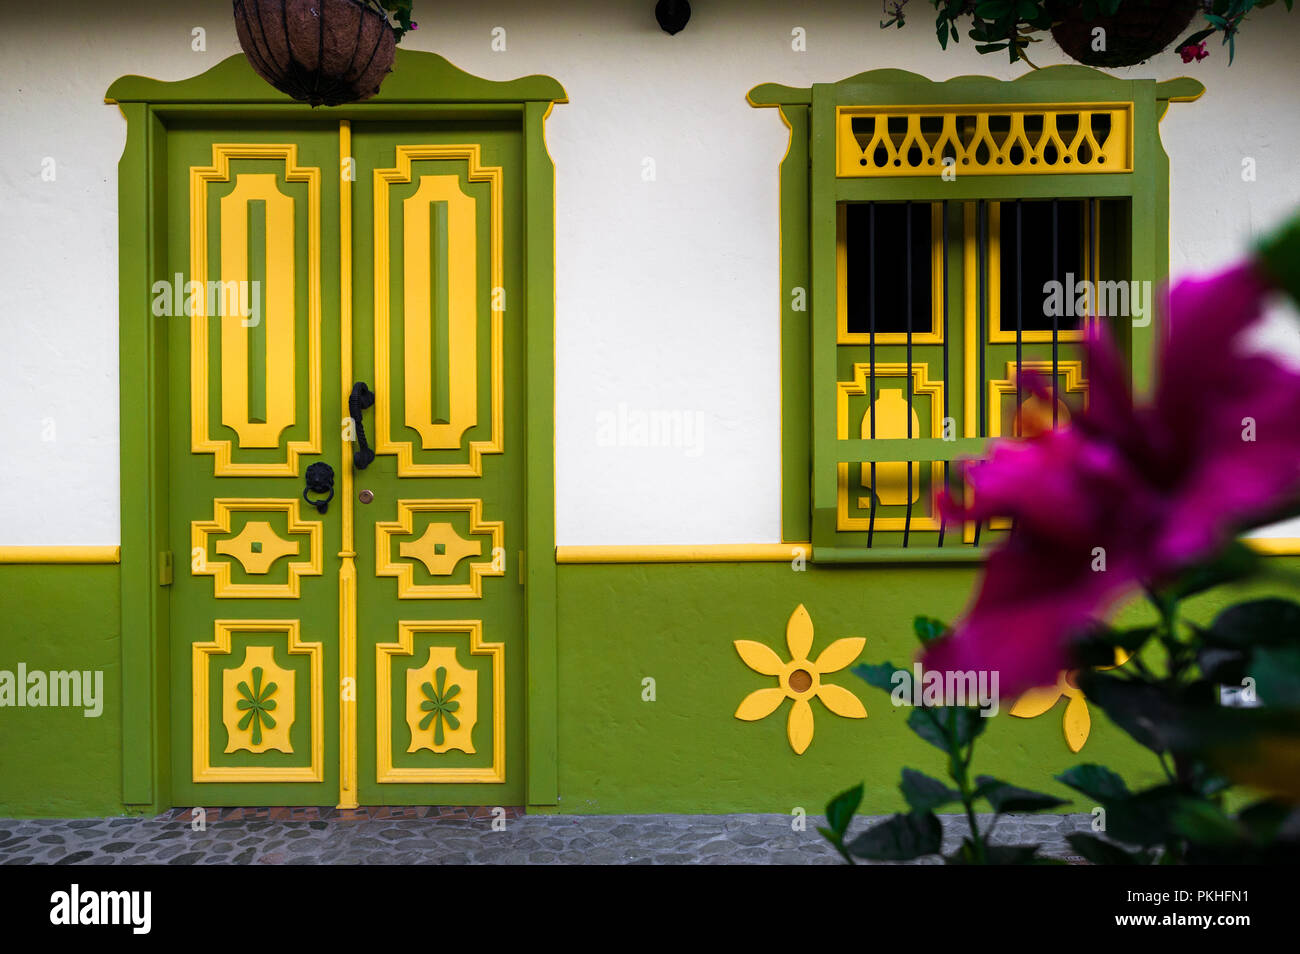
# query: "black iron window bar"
[[934, 449]]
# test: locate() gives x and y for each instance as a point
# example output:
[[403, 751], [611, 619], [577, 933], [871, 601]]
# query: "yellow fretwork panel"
[[440, 549], [984, 140], [386, 654], [278, 311], [277, 300], [256, 547], [257, 703], [458, 362], [440, 429], [425, 549], [441, 703], [274, 685], [892, 415]]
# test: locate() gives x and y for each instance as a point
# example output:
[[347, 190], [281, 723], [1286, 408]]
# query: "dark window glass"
[[1036, 261], [892, 256]]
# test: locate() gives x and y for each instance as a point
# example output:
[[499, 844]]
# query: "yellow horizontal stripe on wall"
[[60, 554], [780, 552], [1277, 546], [718, 553]]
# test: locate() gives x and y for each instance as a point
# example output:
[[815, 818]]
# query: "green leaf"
[[964, 855], [1279, 253], [993, 9], [1005, 797], [924, 722], [998, 855], [991, 47], [1143, 819], [899, 838], [1142, 710], [837, 841], [1097, 644], [928, 630], [1224, 666], [1096, 781], [1266, 622], [1194, 39], [933, 725], [881, 676], [841, 808], [1276, 670], [1203, 823], [1012, 855], [969, 722], [1109, 7], [1101, 852], [925, 794], [1263, 820], [1234, 563]]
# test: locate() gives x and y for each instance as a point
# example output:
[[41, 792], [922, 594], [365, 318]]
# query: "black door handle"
[[320, 480], [360, 399]]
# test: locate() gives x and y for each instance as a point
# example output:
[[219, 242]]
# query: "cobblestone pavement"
[[456, 837]]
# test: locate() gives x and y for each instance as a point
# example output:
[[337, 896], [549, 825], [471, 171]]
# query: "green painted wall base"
[[685, 751], [618, 626], [56, 763]]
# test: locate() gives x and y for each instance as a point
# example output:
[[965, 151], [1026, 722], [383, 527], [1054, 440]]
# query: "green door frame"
[[422, 87]]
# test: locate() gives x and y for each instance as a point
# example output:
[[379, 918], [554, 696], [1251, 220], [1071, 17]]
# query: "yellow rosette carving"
[[800, 679], [1077, 721]]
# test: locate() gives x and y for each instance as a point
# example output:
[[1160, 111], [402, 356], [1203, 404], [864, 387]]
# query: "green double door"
[[334, 287]]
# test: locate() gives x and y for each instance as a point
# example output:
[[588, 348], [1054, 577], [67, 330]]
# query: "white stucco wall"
[[667, 291]]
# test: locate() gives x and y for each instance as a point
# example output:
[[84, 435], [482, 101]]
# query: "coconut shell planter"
[[1134, 33], [323, 52]]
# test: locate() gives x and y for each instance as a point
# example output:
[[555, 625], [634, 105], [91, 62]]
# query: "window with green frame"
[[939, 242]]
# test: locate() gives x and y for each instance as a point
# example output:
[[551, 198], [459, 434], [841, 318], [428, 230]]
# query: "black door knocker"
[[320, 480], [360, 399]]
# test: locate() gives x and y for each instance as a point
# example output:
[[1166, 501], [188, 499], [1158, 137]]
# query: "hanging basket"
[[323, 52], [1136, 32]]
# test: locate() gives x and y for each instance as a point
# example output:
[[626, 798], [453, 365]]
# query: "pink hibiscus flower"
[[1142, 491]]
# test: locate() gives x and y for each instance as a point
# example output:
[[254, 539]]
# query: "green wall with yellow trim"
[[685, 752], [618, 625], [56, 762]]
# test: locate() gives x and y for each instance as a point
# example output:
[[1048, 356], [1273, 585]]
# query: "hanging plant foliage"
[[322, 52], [1131, 31]]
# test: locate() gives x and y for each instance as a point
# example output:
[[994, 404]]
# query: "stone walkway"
[[456, 837]]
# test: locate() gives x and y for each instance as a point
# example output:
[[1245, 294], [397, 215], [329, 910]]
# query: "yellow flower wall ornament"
[[800, 679], [1077, 722]]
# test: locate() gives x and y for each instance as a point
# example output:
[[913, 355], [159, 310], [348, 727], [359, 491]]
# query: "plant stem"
[[958, 770]]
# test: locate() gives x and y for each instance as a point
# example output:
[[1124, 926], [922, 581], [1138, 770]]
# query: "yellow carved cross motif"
[[257, 547], [440, 548]]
